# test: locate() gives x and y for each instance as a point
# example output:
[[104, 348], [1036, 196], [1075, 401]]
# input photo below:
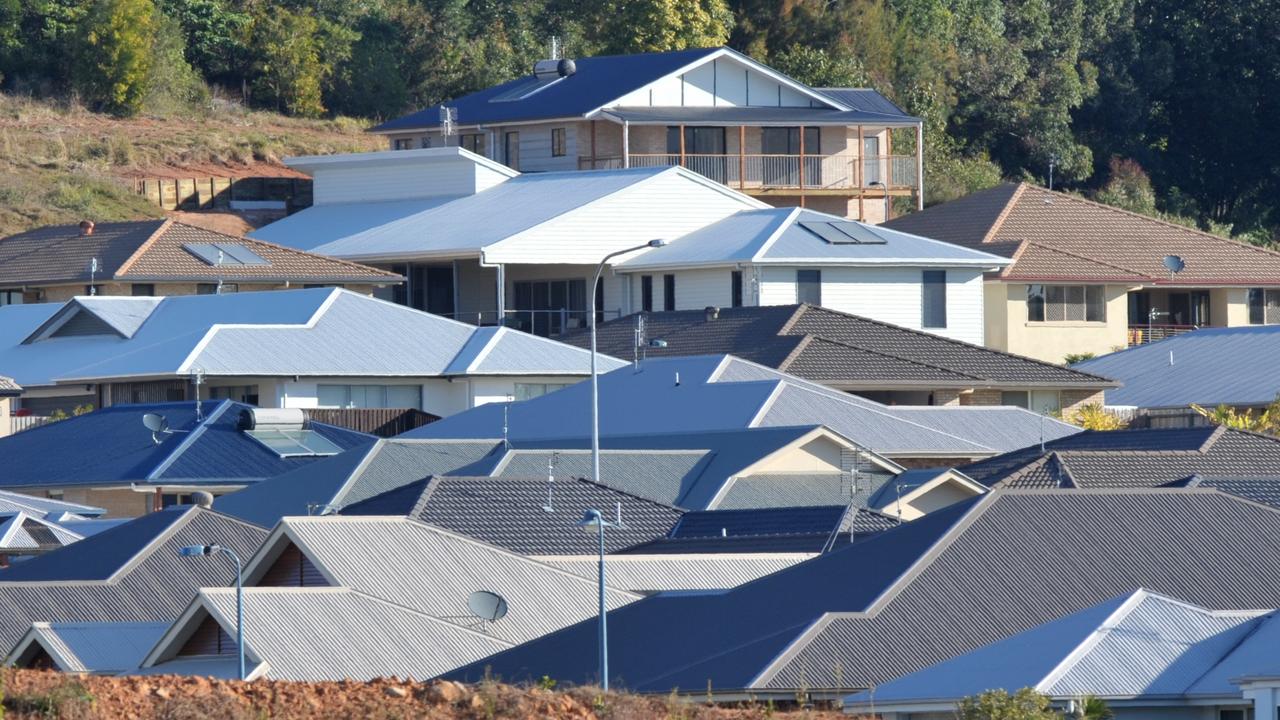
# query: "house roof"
[[804, 529], [1209, 367], [649, 573], [316, 225], [163, 251], [129, 573], [721, 392], [1263, 489], [90, 647], [604, 81], [9, 388], [23, 534], [112, 447], [1132, 458], [1054, 236], [282, 333], [787, 236], [834, 348], [58, 510], [513, 513], [836, 621], [1139, 646]]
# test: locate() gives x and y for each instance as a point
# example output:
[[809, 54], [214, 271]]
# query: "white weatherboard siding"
[[665, 206], [399, 181], [892, 294], [724, 82], [695, 289]]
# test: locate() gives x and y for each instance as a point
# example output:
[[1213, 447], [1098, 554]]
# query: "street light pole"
[[595, 383], [193, 550], [595, 519]]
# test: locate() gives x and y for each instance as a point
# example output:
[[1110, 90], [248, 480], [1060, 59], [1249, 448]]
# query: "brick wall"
[[1073, 400], [981, 397], [932, 462], [119, 503]]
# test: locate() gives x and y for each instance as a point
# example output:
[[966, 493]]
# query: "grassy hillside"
[[62, 164]]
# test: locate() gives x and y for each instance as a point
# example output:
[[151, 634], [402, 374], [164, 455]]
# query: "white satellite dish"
[[490, 606]]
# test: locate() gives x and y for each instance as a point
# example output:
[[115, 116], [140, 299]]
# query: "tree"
[[288, 66], [113, 55], [1095, 417], [1128, 187], [659, 25], [370, 83], [214, 35], [1267, 420], [173, 86], [1026, 704], [822, 68]]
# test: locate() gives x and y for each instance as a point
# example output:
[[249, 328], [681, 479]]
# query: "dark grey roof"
[[835, 348], [511, 512], [129, 573], [757, 116], [952, 581], [1258, 488], [812, 529], [1132, 458]]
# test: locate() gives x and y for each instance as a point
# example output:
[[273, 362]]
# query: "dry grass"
[[61, 163]]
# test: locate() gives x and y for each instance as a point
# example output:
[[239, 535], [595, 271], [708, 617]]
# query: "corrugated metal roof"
[[41, 507], [319, 224], [1209, 367], [837, 621], [93, 647], [779, 490], [111, 447], [649, 574]]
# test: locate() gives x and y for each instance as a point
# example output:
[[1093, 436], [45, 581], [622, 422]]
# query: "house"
[[8, 391], [675, 395], [130, 573], [1139, 458], [1209, 367], [316, 608], [720, 469], [888, 363], [782, 256], [99, 648], [110, 458], [1144, 654], [478, 244], [1088, 278], [961, 578], [317, 348], [161, 257], [712, 110]]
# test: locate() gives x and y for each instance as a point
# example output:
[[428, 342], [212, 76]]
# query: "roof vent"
[[203, 499], [86, 227], [713, 313]]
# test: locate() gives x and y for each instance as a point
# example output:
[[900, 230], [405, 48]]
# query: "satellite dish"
[[1173, 263], [155, 423], [488, 605]]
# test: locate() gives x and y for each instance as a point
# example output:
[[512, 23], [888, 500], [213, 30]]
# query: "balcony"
[[839, 174], [1142, 334]]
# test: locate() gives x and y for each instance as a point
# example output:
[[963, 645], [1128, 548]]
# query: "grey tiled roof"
[[779, 490], [1132, 458], [663, 476], [511, 512], [835, 348], [956, 579]]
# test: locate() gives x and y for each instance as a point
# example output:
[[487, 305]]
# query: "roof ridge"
[[143, 247], [304, 253], [1009, 204], [1060, 251]]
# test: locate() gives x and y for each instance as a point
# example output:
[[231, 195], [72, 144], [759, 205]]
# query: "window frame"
[[1091, 298], [815, 283], [933, 299], [559, 142], [735, 288], [669, 292], [646, 293]]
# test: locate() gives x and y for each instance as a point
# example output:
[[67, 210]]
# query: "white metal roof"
[[92, 647]]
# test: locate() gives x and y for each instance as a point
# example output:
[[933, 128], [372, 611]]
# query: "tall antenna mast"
[[555, 47], [639, 342], [93, 272], [551, 480], [448, 118], [197, 376], [506, 444], [1053, 160]]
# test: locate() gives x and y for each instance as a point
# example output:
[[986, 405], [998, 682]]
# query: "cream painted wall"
[[5, 414], [1053, 341], [819, 455]]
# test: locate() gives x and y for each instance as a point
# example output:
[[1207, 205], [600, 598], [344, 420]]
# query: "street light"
[[595, 382], [594, 520], [194, 550]]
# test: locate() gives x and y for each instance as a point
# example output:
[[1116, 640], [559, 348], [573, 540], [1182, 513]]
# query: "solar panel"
[[225, 254], [525, 89], [843, 232], [294, 443]]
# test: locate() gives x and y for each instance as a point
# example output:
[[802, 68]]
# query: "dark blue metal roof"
[[768, 521], [597, 82], [111, 446], [864, 100], [97, 557]]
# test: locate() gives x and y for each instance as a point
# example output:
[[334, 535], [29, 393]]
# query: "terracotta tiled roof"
[[1063, 237], [152, 251]]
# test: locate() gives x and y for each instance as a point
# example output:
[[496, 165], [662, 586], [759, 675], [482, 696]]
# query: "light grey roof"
[[776, 236], [319, 224], [1210, 367], [322, 332], [42, 507], [1142, 646], [23, 533], [350, 477], [798, 490], [666, 572], [1001, 427], [434, 571], [92, 647]]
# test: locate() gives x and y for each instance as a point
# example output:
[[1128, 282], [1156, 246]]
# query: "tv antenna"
[[551, 480], [488, 606], [639, 342], [93, 273], [197, 377], [448, 119]]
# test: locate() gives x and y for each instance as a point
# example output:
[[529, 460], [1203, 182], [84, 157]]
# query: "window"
[[1016, 398], [1264, 306], [668, 292], [426, 141], [809, 286], [1231, 715], [646, 293], [213, 288], [473, 142], [549, 307], [369, 396], [735, 288], [143, 290], [247, 394], [403, 144], [1066, 303], [933, 312], [557, 142], [10, 297], [511, 149], [528, 391]]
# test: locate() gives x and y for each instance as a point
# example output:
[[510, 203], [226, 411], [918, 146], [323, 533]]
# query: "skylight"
[[224, 254], [294, 443], [843, 232]]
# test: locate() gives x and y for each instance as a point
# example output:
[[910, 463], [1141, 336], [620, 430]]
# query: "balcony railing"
[[18, 423], [842, 171], [1141, 334]]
